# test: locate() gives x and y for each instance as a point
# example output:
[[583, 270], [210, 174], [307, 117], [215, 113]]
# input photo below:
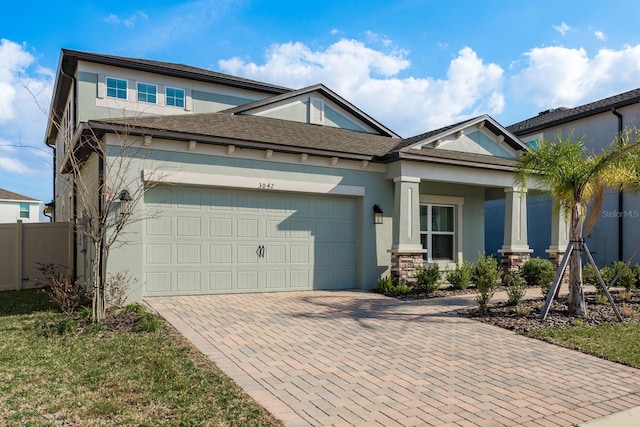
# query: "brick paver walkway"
[[356, 358]]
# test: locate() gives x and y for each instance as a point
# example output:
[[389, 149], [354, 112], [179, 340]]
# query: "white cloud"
[[9, 160], [368, 78], [558, 76], [25, 93], [129, 22], [563, 28], [13, 62], [600, 35]]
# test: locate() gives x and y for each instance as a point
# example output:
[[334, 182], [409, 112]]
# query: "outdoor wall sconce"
[[377, 214], [125, 203]]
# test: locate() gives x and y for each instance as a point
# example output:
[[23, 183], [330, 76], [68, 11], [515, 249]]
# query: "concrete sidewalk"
[[356, 358]]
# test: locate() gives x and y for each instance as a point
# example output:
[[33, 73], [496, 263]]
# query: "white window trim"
[[184, 97], [457, 203], [106, 88], [148, 84]]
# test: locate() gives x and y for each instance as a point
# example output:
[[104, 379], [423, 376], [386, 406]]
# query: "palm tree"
[[576, 180]]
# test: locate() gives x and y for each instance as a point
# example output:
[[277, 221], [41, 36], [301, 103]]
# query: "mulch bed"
[[505, 316]]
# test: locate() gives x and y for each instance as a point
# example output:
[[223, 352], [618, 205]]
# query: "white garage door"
[[208, 241]]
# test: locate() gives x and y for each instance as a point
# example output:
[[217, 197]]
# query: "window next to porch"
[[438, 231]]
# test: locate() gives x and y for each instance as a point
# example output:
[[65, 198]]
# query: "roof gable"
[[481, 135], [315, 104]]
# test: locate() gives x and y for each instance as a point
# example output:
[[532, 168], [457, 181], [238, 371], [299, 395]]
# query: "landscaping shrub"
[[402, 289], [428, 279], [626, 277], [460, 278], [589, 276], [539, 272], [62, 289], [516, 287], [485, 275], [385, 285], [636, 272]]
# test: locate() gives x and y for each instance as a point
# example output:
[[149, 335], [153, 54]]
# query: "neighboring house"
[[16, 207], [616, 235], [255, 188]]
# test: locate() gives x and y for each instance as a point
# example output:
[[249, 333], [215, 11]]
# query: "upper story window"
[[175, 97], [116, 88], [147, 93], [24, 210]]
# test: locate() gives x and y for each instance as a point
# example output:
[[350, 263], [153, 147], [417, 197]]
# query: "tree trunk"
[[576, 293]]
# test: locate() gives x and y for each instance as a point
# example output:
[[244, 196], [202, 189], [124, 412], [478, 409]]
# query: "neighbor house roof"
[[326, 92], [256, 132], [558, 116], [69, 61], [10, 195]]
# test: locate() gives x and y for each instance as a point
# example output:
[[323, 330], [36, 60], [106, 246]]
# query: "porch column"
[[406, 250], [515, 249], [559, 237]]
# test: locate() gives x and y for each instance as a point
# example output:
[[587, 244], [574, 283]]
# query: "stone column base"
[[513, 261], [405, 264]]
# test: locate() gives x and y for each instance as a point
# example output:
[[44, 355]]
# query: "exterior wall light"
[[377, 214], [125, 203]]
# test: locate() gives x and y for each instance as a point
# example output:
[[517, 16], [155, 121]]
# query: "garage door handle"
[[260, 251]]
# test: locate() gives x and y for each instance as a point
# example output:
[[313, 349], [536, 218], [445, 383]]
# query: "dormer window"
[[147, 93]]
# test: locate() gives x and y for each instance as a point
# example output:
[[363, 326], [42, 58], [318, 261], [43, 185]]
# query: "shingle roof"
[[241, 129], [10, 195], [562, 115], [262, 132]]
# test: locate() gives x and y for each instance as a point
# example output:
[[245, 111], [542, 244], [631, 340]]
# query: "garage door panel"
[[275, 254], [276, 279], [158, 253], [221, 254], [300, 279], [189, 199], [159, 226], [299, 205], [158, 282], [188, 281], [208, 240], [220, 227], [247, 228], [247, 202], [221, 200], [188, 254], [274, 229], [299, 254], [300, 230], [220, 280], [247, 254], [247, 280], [188, 226]]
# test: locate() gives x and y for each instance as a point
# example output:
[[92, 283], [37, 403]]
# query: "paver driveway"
[[357, 358]]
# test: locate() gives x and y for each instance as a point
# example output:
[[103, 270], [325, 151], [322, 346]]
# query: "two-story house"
[[252, 187], [616, 235], [16, 207]]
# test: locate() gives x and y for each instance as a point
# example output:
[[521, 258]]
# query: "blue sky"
[[412, 65]]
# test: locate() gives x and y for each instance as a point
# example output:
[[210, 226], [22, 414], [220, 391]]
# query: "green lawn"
[[619, 342], [96, 377]]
